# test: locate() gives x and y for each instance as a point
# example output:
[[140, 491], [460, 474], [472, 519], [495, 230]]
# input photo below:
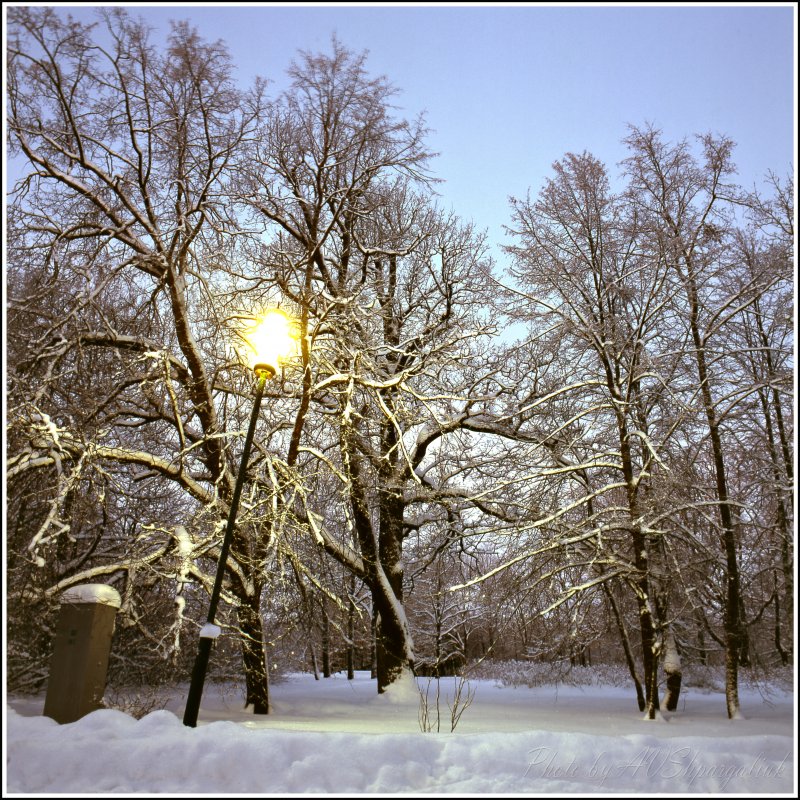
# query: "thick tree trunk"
[[382, 556], [254, 656], [391, 662], [393, 648]]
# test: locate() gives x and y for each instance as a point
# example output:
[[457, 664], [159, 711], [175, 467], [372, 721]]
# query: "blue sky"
[[510, 89]]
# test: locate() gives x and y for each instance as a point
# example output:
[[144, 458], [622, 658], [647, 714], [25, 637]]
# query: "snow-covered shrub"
[[528, 673], [704, 677]]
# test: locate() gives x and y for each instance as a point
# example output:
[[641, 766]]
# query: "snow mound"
[[340, 737], [403, 692]]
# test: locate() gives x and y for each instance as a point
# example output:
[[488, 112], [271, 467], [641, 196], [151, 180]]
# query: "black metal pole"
[[206, 641]]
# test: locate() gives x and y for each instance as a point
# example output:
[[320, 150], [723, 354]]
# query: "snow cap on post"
[[210, 631], [92, 593]]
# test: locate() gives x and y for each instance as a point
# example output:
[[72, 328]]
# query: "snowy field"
[[337, 736]]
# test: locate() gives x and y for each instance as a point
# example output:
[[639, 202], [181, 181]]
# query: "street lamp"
[[269, 342]]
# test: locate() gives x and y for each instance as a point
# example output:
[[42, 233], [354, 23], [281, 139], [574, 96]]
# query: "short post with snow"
[[81, 651], [268, 343]]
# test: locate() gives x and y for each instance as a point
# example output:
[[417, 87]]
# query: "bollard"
[[82, 646]]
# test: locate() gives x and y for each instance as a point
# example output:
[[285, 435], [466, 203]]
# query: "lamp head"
[[269, 342]]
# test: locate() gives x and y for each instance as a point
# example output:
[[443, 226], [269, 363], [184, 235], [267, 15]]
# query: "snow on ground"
[[336, 736]]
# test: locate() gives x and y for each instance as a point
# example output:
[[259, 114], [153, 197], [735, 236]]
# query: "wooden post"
[[82, 646]]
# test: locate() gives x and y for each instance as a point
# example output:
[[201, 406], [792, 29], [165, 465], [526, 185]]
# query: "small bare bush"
[[137, 701], [430, 712]]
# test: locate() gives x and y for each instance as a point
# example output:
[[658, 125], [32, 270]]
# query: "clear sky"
[[508, 89]]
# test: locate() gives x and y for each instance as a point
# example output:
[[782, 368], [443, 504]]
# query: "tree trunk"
[[651, 672], [672, 667], [254, 657], [784, 527], [384, 568], [351, 627], [647, 627], [394, 649], [744, 637], [701, 637], [393, 653], [733, 603], [626, 647], [373, 644], [326, 642], [778, 646], [314, 663]]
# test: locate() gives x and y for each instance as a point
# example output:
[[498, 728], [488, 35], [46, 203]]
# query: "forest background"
[[578, 452]]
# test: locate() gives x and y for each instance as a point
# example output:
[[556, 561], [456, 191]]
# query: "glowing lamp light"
[[270, 341]]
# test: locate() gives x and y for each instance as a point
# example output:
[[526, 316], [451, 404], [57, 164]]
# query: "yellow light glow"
[[270, 341]]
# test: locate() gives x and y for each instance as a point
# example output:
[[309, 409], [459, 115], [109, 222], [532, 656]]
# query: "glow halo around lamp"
[[270, 341]]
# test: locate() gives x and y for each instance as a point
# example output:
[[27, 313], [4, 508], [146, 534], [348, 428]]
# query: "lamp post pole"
[[210, 630]]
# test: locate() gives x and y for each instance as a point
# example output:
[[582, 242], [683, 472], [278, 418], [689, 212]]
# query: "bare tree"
[[123, 206], [687, 202], [651, 307], [579, 261], [386, 290]]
